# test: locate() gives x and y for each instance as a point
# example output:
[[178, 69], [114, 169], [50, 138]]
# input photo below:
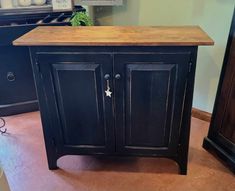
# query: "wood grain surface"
[[115, 36], [199, 114]]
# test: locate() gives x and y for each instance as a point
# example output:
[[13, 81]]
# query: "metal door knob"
[[10, 76], [117, 76], [106, 76]]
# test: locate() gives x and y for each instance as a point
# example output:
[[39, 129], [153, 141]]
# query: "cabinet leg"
[[52, 162], [52, 165], [182, 161], [233, 170], [183, 169], [182, 164]]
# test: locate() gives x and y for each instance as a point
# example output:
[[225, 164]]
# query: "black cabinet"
[[221, 136], [18, 93], [14, 78], [126, 101]]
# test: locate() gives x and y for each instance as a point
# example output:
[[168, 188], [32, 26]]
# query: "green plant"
[[81, 19]]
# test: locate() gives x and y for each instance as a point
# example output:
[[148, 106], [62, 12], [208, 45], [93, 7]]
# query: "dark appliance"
[[17, 88]]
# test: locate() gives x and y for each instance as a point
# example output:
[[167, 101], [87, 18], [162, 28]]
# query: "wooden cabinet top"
[[115, 36]]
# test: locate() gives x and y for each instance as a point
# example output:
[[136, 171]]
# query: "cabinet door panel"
[[149, 94], [84, 114], [79, 94], [150, 104]]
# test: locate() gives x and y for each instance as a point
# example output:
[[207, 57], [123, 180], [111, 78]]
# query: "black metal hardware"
[[190, 67], [3, 125], [11, 77], [106, 76], [117, 76]]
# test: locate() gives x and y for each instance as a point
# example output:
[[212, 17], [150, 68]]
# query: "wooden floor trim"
[[203, 115]]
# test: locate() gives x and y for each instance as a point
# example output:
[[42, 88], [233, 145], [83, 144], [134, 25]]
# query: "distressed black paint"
[[148, 114]]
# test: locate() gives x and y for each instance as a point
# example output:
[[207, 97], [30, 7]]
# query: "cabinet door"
[[149, 99], [81, 116]]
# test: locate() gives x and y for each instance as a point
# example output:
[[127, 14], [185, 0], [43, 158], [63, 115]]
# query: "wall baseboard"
[[203, 115]]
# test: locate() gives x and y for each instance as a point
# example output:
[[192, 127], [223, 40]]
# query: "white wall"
[[214, 16]]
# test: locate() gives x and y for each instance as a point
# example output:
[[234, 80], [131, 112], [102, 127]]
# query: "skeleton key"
[[108, 92]]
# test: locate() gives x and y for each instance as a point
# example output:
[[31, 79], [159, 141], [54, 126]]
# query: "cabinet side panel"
[[227, 128]]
